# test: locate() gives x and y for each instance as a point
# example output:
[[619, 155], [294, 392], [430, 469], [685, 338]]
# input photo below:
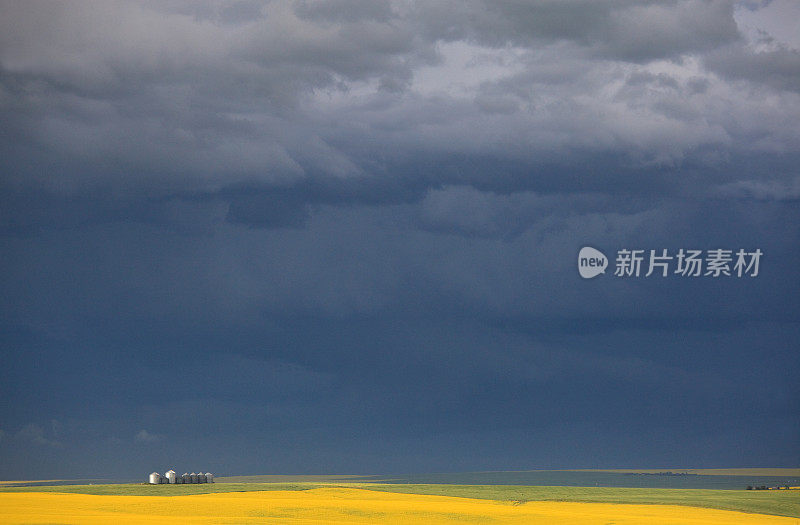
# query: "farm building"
[[170, 477]]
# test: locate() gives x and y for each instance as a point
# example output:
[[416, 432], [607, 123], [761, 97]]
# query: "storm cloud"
[[346, 231]]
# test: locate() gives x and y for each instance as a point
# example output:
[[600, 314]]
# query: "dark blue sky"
[[341, 236]]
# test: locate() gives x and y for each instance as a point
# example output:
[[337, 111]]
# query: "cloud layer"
[[350, 226]]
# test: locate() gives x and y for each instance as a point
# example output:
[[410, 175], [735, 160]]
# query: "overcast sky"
[[341, 236]]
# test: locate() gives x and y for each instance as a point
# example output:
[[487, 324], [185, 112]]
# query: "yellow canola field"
[[345, 506]]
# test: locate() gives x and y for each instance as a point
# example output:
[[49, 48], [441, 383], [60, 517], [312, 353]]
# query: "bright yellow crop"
[[345, 506]]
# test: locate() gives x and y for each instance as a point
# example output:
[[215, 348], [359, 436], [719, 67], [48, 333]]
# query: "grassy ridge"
[[780, 472], [144, 489], [778, 503], [10, 482], [298, 478], [775, 502]]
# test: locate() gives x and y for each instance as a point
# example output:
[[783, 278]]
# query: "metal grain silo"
[[201, 478], [193, 475], [170, 475], [209, 477], [155, 478], [186, 478]]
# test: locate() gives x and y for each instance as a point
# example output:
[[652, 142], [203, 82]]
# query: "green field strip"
[[775, 502]]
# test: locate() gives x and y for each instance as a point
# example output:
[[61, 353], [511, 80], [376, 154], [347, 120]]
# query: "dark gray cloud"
[[252, 226], [778, 68], [635, 31], [285, 93]]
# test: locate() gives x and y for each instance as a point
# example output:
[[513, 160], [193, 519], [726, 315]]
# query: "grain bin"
[[209, 477], [155, 478], [170, 475], [201, 478], [186, 478], [193, 475]]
